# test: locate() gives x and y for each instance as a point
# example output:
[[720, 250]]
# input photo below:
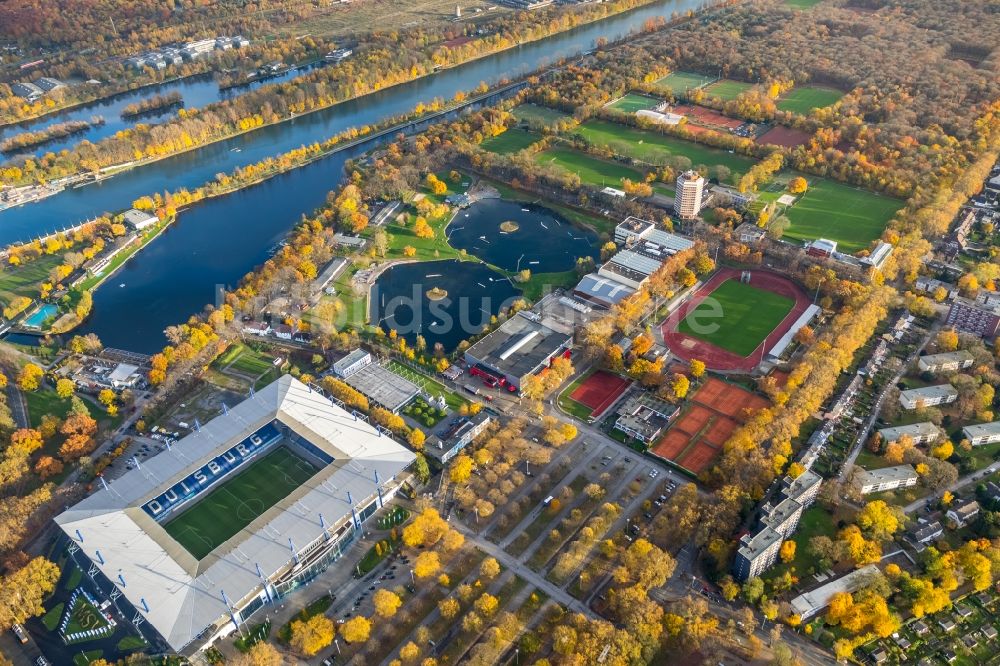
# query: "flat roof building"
[[921, 433], [119, 534], [946, 362], [759, 550], [982, 433], [887, 478], [139, 219], [518, 348], [601, 291], [810, 603], [878, 256], [928, 396], [644, 416], [449, 440], [351, 363]]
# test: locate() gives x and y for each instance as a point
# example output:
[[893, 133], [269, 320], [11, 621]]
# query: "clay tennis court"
[[695, 440], [699, 458], [703, 116], [785, 136], [599, 391], [716, 358]]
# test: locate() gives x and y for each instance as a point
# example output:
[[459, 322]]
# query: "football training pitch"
[[748, 315], [727, 89], [239, 501], [805, 99], [655, 148], [511, 141], [682, 81], [848, 215], [633, 102], [592, 171]]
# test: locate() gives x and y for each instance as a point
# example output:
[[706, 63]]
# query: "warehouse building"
[[520, 347]]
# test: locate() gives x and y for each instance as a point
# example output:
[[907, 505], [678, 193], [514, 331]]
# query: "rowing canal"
[[218, 241]]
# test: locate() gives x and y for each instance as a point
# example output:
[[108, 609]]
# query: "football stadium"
[[246, 508]]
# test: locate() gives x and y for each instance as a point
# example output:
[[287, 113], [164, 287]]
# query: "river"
[[218, 241], [196, 91]]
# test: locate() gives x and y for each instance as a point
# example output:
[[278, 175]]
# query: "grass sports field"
[[633, 102], [727, 89], [749, 314], [592, 171], [239, 501], [681, 81], [511, 141], [538, 115], [656, 148], [805, 99], [850, 216]]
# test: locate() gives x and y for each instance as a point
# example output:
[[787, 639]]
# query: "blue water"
[[475, 293], [38, 318], [218, 241], [197, 91], [544, 241]]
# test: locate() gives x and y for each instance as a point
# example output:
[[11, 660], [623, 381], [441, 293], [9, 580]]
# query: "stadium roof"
[[185, 596]]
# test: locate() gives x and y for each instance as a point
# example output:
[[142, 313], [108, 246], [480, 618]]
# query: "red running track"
[[716, 358]]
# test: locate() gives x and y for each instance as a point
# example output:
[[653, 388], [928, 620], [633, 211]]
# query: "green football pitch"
[[238, 501], [736, 317], [805, 99], [683, 81], [633, 102]]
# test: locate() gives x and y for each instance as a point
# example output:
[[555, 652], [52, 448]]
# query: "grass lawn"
[[427, 383], [592, 171], [132, 643], [45, 401], [749, 314], [802, 4], [238, 501], [26, 280], [633, 102], [850, 216], [538, 115], [51, 619], [682, 81], [727, 89], [84, 616], [312, 610], [376, 554], [815, 522], [654, 148], [511, 141], [981, 456], [805, 99], [536, 287], [84, 658], [420, 411]]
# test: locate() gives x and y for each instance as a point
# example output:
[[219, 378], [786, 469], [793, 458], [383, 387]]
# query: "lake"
[[543, 242], [475, 292]]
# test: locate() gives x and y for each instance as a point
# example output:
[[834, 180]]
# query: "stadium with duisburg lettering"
[[251, 505]]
